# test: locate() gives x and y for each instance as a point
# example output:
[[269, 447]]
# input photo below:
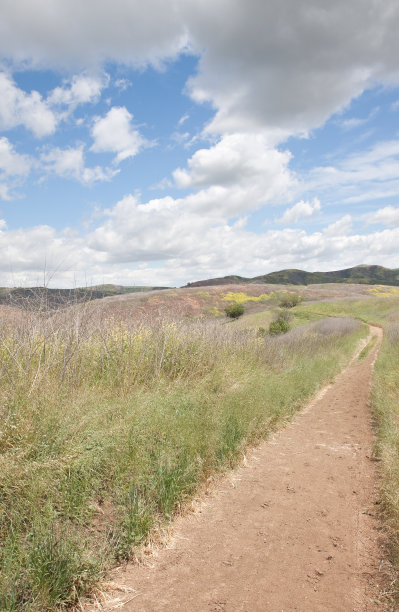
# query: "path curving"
[[293, 529]]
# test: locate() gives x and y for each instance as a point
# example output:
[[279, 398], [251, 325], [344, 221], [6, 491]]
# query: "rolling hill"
[[367, 275]]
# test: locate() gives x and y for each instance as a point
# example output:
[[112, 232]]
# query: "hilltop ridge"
[[362, 274]]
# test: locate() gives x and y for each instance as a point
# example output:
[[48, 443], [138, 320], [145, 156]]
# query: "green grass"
[[368, 348], [108, 428]]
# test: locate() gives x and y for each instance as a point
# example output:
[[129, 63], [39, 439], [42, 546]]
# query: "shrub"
[[289, 300], [278, 327], [281, 324], [234, 310]]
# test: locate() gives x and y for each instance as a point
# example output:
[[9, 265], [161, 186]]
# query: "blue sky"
[[162, 143]]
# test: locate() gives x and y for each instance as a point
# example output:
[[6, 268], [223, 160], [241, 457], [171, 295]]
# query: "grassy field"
[[110, 425]]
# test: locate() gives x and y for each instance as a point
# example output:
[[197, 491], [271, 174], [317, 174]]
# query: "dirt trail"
[[293, 529]]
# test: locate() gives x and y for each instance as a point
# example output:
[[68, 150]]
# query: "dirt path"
[[293, 529]]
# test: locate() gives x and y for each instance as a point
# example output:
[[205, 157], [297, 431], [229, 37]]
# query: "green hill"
[[367, 275]]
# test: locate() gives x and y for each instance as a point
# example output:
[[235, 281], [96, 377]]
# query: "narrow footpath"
[[295, 528]]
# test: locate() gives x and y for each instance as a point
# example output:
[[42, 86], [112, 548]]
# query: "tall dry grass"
[[109, 424], [385, 402]]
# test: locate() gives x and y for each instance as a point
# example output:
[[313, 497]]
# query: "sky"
[[158, 143]]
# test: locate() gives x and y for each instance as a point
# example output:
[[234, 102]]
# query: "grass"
[[385, 394], [383, 311], [110, 426], [368, 348]]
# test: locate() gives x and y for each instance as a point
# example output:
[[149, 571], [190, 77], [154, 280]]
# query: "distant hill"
[[367, 275], [44, 298]]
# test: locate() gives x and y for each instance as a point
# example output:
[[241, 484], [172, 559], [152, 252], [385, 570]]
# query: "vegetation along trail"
[[293, 529]]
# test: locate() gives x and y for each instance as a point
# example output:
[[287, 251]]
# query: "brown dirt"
[[294, 528]]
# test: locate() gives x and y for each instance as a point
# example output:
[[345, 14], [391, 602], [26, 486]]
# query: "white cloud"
[[183, 118], [70, 163], [238, 174], [164, 242], [355, 122], [85, 33], [301, 210], [288, 64], [17, 107], [28, 109], [389, 215], [366, 175], [11, 163], [263, 64], [114, 133], [80, 90], [122, 84], [269, 70], [26, 253], [340, 228], [12, 166]]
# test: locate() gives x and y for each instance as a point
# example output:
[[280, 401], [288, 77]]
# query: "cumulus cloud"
[[238, 174], [174, 246], [70, 163], [262, 64], [288, 64], [115, 133], [168, 231], [41, 116], [300, 210], [339, 228], [12, 166], [80, 90], [85, 33], [389, 215], [28, 109], [25, 253], [269, 70]]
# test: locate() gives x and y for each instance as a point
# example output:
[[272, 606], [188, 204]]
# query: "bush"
[[278, 327], [234, 310], [289, 300]]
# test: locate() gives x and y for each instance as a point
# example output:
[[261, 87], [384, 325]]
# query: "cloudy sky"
[[164, 142]]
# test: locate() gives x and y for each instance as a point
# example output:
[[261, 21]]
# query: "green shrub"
[[278, 327], [234, 310], [281, 323], [289, 300]]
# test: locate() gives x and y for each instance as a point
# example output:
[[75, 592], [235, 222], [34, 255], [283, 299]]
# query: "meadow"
[[113, 418]]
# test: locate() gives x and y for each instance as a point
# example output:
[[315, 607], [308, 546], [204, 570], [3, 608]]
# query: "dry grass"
[[111, 422], [385, 395], [211, 301]]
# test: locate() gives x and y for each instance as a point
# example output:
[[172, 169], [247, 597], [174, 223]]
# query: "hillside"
[[367, 275], [43, 297]]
